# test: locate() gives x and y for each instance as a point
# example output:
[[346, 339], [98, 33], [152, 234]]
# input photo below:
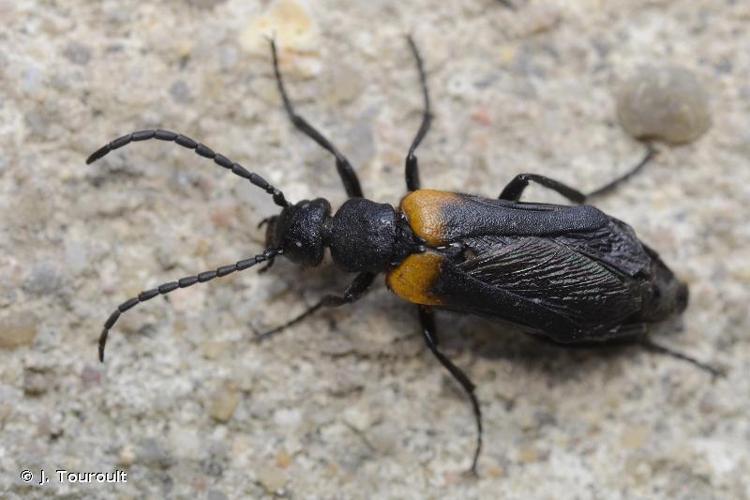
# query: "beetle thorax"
[[364, 236]]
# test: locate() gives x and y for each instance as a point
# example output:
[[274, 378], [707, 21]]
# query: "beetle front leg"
[[346, 171], [427, 322], [412, 167], [353, 292]]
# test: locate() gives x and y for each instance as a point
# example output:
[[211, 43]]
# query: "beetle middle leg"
[[346, 171], [515, 188], [412, 167], [353, 292], [427, 322]]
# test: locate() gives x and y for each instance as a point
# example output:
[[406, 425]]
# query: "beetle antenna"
[[181, 283], [714, 371], [199, 149]]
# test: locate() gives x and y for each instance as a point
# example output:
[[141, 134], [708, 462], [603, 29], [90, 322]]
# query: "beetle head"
[[300, 231]]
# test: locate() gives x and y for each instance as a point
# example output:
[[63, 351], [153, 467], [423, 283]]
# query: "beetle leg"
[[636, 333], [412, 167], [516, 187], [714, 371], [353, 292], [610, 186], [346, 172], [427, 321]]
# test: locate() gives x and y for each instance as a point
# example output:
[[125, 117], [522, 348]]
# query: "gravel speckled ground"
[[349, 404]]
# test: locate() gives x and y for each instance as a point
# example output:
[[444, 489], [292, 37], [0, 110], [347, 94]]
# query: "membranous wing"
[[578, 291], [568, 291]]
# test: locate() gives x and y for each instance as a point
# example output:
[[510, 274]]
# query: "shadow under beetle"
[[572, 274]]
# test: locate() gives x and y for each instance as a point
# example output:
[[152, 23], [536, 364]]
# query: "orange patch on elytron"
[[424, 210], [413, 279]]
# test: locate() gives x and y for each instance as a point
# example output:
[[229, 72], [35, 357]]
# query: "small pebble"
[[90, 377], [529, 455], [77, 53], [152, 453], [180, 92], [213, 349], [44, 279], [126, 457], [289, 22], [16, 330], [76, 256], [664, 103], [5, 412], [35, 381], [344, 84], [224, 403], [37, 122], [272, 479], [185, 442], [205, 4], [283, 459], [634, 437], [216, 495]]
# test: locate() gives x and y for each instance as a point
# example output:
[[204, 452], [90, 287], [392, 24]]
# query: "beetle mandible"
[[572, 274]]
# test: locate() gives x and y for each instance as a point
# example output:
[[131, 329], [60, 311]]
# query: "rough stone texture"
[[349, 404]]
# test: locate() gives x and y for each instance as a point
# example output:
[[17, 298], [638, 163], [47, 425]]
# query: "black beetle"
[[572, 274]]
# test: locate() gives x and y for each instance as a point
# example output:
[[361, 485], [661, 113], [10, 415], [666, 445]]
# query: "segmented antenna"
[[200, 149], [181, 283]]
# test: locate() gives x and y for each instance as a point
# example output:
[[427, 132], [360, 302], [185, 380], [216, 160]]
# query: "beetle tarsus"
[[343, 166], [411, 164], [353, 292], [714, 371], [515, 188], [650, 154], [427, 322]]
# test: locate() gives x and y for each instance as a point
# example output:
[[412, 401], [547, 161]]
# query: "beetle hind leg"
[[613, 184], [650, 345], [427, 322], [515, 188], [518, 185]]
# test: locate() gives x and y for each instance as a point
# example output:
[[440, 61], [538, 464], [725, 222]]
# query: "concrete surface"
[[349, 404]]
